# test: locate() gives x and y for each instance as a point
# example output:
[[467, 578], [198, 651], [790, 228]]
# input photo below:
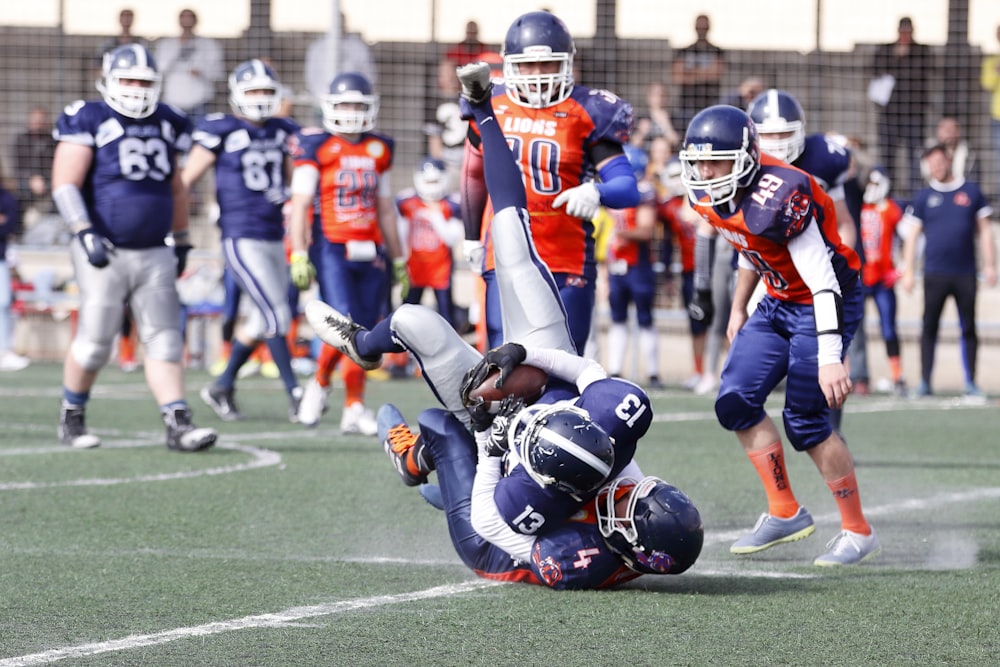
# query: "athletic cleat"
[[476, 84], [400, 443], [221, 401], [771, 531], [339, 331], [849, 548], [313, 403], [358, 419], [73, 428], [183, 435], [294, 401]]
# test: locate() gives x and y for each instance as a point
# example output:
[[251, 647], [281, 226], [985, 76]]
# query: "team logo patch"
[[657, 561], [375, 148], [548, 568], [962, 199], [796, 213]]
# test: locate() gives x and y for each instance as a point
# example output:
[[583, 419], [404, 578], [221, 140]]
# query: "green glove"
[[401, 276], [302, 270]]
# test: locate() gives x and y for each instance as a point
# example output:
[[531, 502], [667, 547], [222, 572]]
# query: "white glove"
[[473, 251], [581, 202]]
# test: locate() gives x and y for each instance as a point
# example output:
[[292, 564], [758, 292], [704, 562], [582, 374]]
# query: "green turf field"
[[283, 546]]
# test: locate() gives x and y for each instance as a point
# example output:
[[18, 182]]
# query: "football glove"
[[479, 412], [181, 253], [401, 276], [581, 202], [504, 358], [701, 309], [97, 247], [498, 443], [301, 270]]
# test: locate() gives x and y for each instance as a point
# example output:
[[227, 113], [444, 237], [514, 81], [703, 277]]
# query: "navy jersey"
[[825, 160], [949, 219], [249, 173], [128, 189], [574, 556], [779, 205], [622, 409]]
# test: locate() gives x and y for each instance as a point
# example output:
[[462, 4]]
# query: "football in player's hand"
[[525, 382]]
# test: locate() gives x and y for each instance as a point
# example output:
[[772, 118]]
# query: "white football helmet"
[[777, 113], [431, 180], [878, 186], [351, 106], [130, 82], [254, 75]]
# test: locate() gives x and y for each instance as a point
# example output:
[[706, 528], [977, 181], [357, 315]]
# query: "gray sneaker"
[[771, 531], [339, 331], [849, 548]]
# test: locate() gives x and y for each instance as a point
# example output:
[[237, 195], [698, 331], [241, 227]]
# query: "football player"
[[631, 279], [250, 150], [785, 229], [562, 135], [880, 217], [347, 165], [580, 433], [116, 184], [429, 227]]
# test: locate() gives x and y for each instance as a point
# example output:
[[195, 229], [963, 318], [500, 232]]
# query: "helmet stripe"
[[575, 450]]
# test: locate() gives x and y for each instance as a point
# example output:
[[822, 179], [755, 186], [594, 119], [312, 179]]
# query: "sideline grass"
[[152, 545]]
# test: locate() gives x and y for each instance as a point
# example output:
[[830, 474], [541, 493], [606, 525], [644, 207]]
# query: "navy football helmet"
[[254, 91], [560, 446], [660, 531], [431, 179], [719, 133], [781, 124], [538, 37], [878, 186], [351, 106], [130, 82]]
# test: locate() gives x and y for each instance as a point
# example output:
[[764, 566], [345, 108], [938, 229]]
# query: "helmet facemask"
[[538, 91], [349, 113], [130, 83], [254, 92]]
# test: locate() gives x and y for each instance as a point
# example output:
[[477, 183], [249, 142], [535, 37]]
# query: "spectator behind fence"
[[951, 212], [9, 223], [697, 71], [900, 74], [126, 17], [656, 122], [32, 151], [469, 49], [744, 94], [948, 133], [191, 66], [990, 79]]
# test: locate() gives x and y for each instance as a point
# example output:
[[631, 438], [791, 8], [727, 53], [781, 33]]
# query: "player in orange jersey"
[[347, 165], [562, 135]]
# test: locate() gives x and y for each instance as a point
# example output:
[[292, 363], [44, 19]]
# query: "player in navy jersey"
[[785, 229], [115, 182], [252, 156], [511, 512], [951, 213]]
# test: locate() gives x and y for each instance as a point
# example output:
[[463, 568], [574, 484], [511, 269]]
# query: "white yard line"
[[272, 620]]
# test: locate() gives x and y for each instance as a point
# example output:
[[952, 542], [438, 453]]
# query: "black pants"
[[937, 288]]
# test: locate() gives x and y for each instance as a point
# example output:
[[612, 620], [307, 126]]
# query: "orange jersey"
[[625, 220], [878, 233], [780, 204], [551, 147], [671, 212], [430, 260], [350, 175]]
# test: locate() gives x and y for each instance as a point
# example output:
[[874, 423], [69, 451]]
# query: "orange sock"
[[126, 350], [895, 368], [328, 358], [845, 492], [770, 465], [354, 382], [699, 364]]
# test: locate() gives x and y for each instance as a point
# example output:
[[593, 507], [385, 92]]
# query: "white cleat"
[[313, 404], [357, 419], [338, 331]]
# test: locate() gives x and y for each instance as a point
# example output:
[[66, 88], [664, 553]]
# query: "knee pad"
[[165, 345], [90, 355], [736, 413]]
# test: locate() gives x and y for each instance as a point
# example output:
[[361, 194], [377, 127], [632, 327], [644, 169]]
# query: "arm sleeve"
[[704, 258], [473, 195], [565, 366], [809, 255], [618, 187], [485, 517]]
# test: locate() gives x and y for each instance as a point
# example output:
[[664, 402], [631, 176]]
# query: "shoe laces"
[[343, 326], [401, 439], [844, 541]]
